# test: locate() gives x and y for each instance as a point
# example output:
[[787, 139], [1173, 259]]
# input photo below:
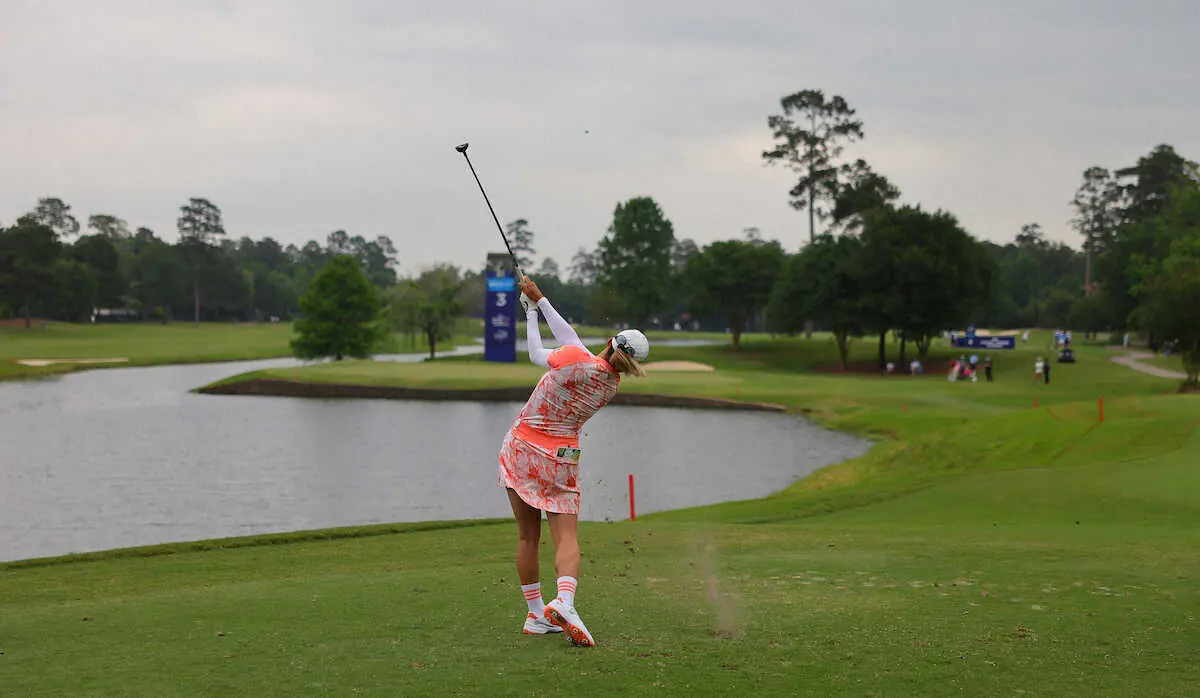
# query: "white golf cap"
[[633, 343]]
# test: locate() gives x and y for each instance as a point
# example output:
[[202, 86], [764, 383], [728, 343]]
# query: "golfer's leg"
[[561, 611], [565, 530], [529, 532]]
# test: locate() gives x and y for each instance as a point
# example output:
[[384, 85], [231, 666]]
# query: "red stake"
[[1101, 409], [632, 511], [1035, 403]]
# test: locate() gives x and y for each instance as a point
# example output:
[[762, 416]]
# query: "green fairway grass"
[[982, 547], [176, 343], [140, 343]]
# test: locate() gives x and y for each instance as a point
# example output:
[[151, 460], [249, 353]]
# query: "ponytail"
[[624, 363]]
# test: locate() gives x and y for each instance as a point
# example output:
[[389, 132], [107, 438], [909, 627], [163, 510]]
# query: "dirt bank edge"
[[284, 388]]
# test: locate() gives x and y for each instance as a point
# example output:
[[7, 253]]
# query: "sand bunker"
[[676, 366], [51, 362]]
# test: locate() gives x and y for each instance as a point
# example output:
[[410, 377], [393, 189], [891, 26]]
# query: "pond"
[[127, 456]]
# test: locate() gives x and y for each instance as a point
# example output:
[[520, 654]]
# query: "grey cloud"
[[298, 118]]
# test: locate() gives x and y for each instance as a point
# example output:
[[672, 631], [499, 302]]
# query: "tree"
[[1085, 314], [341, 313], [55, 214], [635, 258], [1148, 185], [1096, 204], [571, 300], [811, 134], [158, 276], [858, 190], [1031, 237], [99, 254], [430, 304], [520, 239], [1029, 271], [198, 224], [230, 287], [584, 266], [378, 259], [548, 269], [822, 283], [1147, 190], [1170, 302], [682, 252], [922, 274], [109, 226], [338, 242], [270, 254], [605, 306], [734, 278], [1167, 286], [73, 294], [1032, 243], [29, 251]]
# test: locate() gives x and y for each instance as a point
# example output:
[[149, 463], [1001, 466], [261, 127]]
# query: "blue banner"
[[986, 342], [500, 315]]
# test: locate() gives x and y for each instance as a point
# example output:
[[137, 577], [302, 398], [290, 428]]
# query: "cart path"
[[1134, 360]]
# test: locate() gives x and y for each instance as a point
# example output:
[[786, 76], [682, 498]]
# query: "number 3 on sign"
[[501, 300]]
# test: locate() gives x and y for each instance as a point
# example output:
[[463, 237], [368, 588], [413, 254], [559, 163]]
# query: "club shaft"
[[493, 212]]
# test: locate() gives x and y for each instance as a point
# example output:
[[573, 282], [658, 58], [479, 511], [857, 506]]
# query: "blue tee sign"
[[500, 315], [974, 342]]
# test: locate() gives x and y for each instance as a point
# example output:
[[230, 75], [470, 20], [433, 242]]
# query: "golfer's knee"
[[569, 548], [530, 536]]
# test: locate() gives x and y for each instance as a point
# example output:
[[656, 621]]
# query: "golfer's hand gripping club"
[[529, 289], [527, 305]]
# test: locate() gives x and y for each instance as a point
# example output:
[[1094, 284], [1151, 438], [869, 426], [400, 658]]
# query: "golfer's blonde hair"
[[624, 363]]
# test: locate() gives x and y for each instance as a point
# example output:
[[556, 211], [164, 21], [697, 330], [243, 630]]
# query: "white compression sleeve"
[[533, 337], [563, 332]]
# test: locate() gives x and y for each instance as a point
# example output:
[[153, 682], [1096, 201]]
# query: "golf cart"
[[1066, 356]]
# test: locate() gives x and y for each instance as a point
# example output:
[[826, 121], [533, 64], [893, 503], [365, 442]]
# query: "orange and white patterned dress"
[[539, 457]]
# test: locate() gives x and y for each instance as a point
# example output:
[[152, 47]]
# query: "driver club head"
[[461, 148]]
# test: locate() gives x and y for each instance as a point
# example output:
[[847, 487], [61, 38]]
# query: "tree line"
[[872, 263], [52, 268]]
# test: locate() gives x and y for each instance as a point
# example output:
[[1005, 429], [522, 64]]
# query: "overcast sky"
[[298, 118]]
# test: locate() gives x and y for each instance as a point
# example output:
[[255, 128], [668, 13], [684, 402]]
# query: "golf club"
[[463, 149]]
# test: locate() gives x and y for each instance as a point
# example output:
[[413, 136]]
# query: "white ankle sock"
[[566, 589], [533, 597]]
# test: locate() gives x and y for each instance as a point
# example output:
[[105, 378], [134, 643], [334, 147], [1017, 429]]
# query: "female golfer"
[[539, 458]]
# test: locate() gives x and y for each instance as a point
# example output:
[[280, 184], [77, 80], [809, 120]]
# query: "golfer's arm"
[[533, 337], [563, 332]]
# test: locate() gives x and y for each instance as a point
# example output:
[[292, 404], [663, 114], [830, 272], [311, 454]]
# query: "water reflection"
[[121, 457]]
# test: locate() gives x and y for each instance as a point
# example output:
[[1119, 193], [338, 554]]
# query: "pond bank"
[[286, 388]]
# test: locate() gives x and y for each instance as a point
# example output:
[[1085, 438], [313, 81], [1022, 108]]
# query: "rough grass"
[[983, 547]]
